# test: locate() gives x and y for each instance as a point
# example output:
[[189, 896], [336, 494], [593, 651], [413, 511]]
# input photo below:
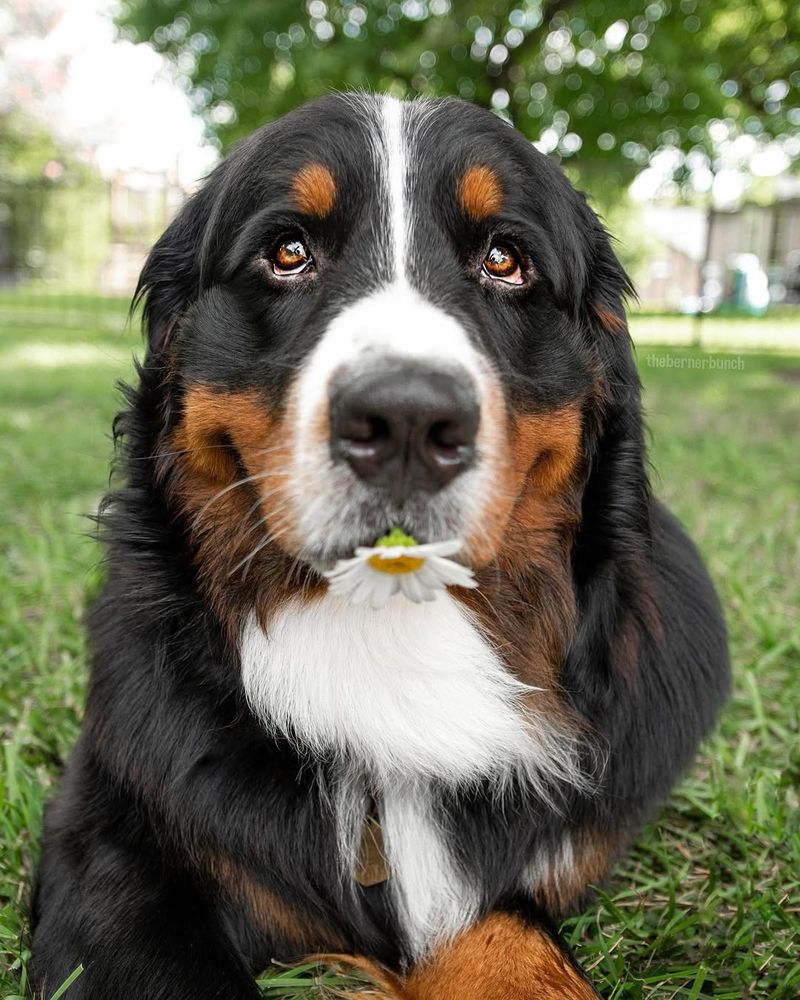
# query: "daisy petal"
[[362, 591], [346, 573], [413, 587], [448, 548], [451, 573], [382, 590], [423, 570]]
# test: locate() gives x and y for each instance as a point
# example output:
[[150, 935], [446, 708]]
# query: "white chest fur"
[[409, 691], [405, 695]]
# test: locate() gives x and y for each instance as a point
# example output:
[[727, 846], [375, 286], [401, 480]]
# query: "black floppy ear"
[[608, 290], [609, 287], [617, 495], [172, 275]]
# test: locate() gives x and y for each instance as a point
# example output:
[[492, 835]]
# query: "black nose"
[[404, 428]]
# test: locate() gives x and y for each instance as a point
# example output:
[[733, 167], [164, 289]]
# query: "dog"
[[374, 313]]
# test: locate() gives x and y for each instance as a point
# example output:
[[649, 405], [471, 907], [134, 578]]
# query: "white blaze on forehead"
[[395, 168], [395, 320]]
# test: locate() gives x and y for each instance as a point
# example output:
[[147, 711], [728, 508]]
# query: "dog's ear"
[[606, 294], [608, 286], [617, 496], [171, 278]]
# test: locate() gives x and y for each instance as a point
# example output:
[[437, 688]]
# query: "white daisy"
[[396, 564]]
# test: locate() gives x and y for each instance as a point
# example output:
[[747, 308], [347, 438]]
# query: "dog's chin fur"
[[244, 727], [335, 530]]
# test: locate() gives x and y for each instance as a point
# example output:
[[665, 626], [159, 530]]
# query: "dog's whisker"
[[294, 572], [253, 507], [256, 477], [262, 522], [270, 537], [177, 452]]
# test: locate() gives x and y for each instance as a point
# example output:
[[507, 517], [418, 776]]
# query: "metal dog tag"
[[373, 868]]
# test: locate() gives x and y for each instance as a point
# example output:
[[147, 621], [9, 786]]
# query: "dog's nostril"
[[448, 436], [365, 429], [379, 429]]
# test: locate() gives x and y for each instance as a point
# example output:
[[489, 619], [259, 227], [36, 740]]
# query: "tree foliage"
[[25, 148], [588, 79]]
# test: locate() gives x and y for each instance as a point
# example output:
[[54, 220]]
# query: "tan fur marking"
[[480, 193], [594, 853], [547, 448], [527, 609], [210, 418], [272, 914], [243, 532], [546, 456], [609, 320], [314, 190], [389, 984], [501, 958], [533, 499]]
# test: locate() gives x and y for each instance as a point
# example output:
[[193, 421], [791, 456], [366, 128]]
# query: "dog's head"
[[379, 313]]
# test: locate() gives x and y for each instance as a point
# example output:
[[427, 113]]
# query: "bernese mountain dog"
[[374, 314]]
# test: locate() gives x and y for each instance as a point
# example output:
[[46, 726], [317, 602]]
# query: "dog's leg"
[[566, 885], [506, 956], [137, 934]]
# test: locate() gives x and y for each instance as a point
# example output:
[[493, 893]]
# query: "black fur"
[[172, 772]]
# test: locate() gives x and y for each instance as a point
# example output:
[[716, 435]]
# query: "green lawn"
[[709, 903]]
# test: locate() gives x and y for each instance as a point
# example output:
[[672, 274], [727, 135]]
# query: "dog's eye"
[[502, 263], [291, 257]]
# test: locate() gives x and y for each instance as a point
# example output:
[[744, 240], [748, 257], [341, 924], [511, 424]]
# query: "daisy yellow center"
[[396, 566]]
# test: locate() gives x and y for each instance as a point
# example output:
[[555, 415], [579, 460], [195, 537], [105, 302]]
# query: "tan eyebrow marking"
[[314, 190], [480, 192]]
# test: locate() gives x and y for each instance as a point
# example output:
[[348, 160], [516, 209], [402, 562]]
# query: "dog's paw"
[[501, 958]]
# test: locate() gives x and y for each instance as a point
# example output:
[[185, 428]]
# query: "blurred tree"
[[587, 79], [44, 189], [26, 148]]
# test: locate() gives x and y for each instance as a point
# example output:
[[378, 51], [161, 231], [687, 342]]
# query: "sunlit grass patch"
[[44, 355]]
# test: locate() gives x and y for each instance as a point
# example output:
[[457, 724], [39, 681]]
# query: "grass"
[[708, 904], [781, 330]]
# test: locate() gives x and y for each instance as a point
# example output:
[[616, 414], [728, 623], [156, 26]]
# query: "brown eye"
[[502, 263], [291, 257]]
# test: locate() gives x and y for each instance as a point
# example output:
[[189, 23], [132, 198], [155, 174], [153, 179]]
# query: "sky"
[[114, 101]]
